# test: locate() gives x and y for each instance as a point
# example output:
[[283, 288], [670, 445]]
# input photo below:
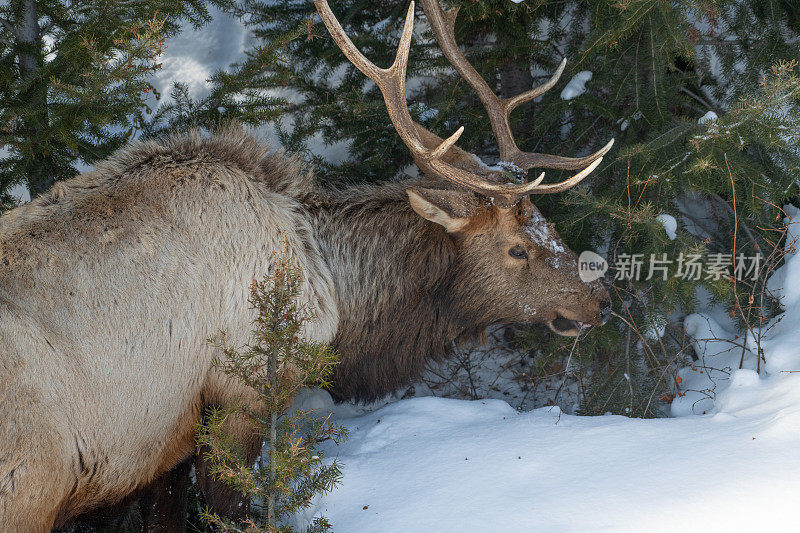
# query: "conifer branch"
[[8, 26], [47, 27]]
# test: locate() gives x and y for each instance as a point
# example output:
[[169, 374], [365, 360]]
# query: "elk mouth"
[[566, 326]]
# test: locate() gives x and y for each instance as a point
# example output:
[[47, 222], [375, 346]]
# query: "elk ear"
[[448, 208]]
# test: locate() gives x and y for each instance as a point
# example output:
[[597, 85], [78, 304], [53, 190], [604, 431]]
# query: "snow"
[[789, 292], [669, 223], [724, 353], [542, 233], [425, 112], [725, 461], [718, 356], [710, 116], [455, 465], [20, 192], [576, 86], [656, 328]]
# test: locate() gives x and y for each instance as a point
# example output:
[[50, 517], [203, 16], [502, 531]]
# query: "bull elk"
[[111, 283]]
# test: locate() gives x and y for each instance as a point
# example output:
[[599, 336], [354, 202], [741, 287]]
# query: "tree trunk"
[[516, 78], [28, 39], [41, 173]]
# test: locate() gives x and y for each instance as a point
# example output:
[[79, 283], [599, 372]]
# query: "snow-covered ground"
[[434, 464], [727, 461]]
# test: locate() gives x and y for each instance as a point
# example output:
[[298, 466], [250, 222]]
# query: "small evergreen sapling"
[[276, 364]]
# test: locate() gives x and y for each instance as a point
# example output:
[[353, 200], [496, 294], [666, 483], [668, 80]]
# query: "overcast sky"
[[194, 55]]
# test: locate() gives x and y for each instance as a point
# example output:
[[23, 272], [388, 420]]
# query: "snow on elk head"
[[511, 263], [510, 259]]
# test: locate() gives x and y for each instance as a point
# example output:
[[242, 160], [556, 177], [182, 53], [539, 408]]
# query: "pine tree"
[[275, 364], [656, 68], [74, 79]]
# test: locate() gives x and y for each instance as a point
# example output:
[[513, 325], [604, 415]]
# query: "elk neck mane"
[[395, 275]]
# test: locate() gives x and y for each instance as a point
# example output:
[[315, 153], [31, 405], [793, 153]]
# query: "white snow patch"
[[718, 356], [577, 85], [723, 355], [426, 112], [710, 116], [789, 292], [542, 234], [669, 223], [50, 47]]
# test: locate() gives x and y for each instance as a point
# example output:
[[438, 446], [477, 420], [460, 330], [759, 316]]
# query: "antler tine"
[[532, 159], [511, 103], [551, 188], [391, 81], [508, 195], [367, 67], [439, 151], [499, 110]]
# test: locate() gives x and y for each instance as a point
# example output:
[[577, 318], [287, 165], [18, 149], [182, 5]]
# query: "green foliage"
[[275, 365], [74, 80], [6, 202]]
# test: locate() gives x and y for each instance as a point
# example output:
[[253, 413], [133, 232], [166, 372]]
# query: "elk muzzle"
[[570, 323]]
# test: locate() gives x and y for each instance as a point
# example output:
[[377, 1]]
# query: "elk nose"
[[605, 311]]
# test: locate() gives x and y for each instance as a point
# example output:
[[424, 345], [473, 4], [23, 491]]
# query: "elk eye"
[[518, 252]]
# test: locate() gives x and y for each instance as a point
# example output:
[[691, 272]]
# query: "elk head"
[[512, 264]]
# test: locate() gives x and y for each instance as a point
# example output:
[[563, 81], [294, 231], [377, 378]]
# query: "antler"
[[499, 110], [437, 160]]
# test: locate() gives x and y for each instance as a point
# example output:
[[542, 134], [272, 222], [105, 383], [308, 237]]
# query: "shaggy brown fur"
[[394, 271]]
